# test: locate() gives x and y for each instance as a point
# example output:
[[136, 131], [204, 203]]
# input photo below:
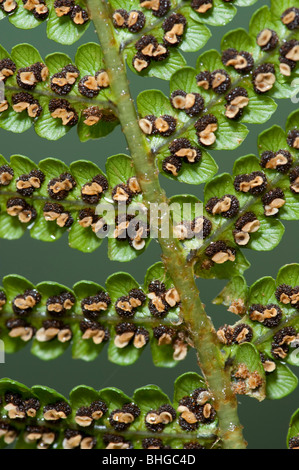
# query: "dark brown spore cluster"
[[290, 18], [8, 7], [254, 183], [269, 40], [92, 191], [245, 219], [136, 233], [134, 20], [192, 103], [156, 424], [288, 295], [159, 8], [172, 165], [59, 188], [74, 439], [157, 305], [294, 180], [88, 218], [164, 334], [9, 433], [63, 7], [267, 361], [202, 6], [174, 27], [152, 443], [164, 125], [201, 227], [20, 323], [62, 82], [270, 197], [126, 306], [242, 62], [293, 138], [122, 193], [28, 77], [17, 207], [2, 299], [227, 206], [294, 442], [118, 417], [181, 151], [129, 331], [23, 304], [90, 86], [57, 325], [60, 407], [56, 212], [95, 411], [280, 161], [203, 80], [234, 102], [193, 446], [267, 320], [281, 342], [96, 327], [112, 441], [62, 109], [92, 306], [192, 414], [39, 10], [207, 122], [260, 78], [6, 175], [7, 69], [242, 334], [27, 406], [27, 184], [78, 15], [59, 305], [148, 49], [125, 327], [219, 247], [288, 55], [24, 101], [220, 81]]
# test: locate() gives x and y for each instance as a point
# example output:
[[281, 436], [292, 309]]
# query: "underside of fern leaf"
[[174, 134]]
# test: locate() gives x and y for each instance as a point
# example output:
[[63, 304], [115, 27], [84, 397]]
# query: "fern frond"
[[40, 417], [124, 314], [56, 94], [269, 319]]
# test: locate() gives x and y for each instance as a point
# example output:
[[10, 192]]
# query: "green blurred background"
[[265, 424]]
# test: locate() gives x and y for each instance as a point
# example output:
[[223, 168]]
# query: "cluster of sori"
[[294, 442], [149, 49], [219, 81], [58, 188], [77, 14], [245, 382], [174, 27], [23, 305], [60, 308], [228, 206], [133, 20], [181, 150], [270, 316], [96, 424], [126, 227], [61, 83], [40, 10]]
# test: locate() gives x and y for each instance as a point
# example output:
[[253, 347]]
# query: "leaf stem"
[[197, 321]]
